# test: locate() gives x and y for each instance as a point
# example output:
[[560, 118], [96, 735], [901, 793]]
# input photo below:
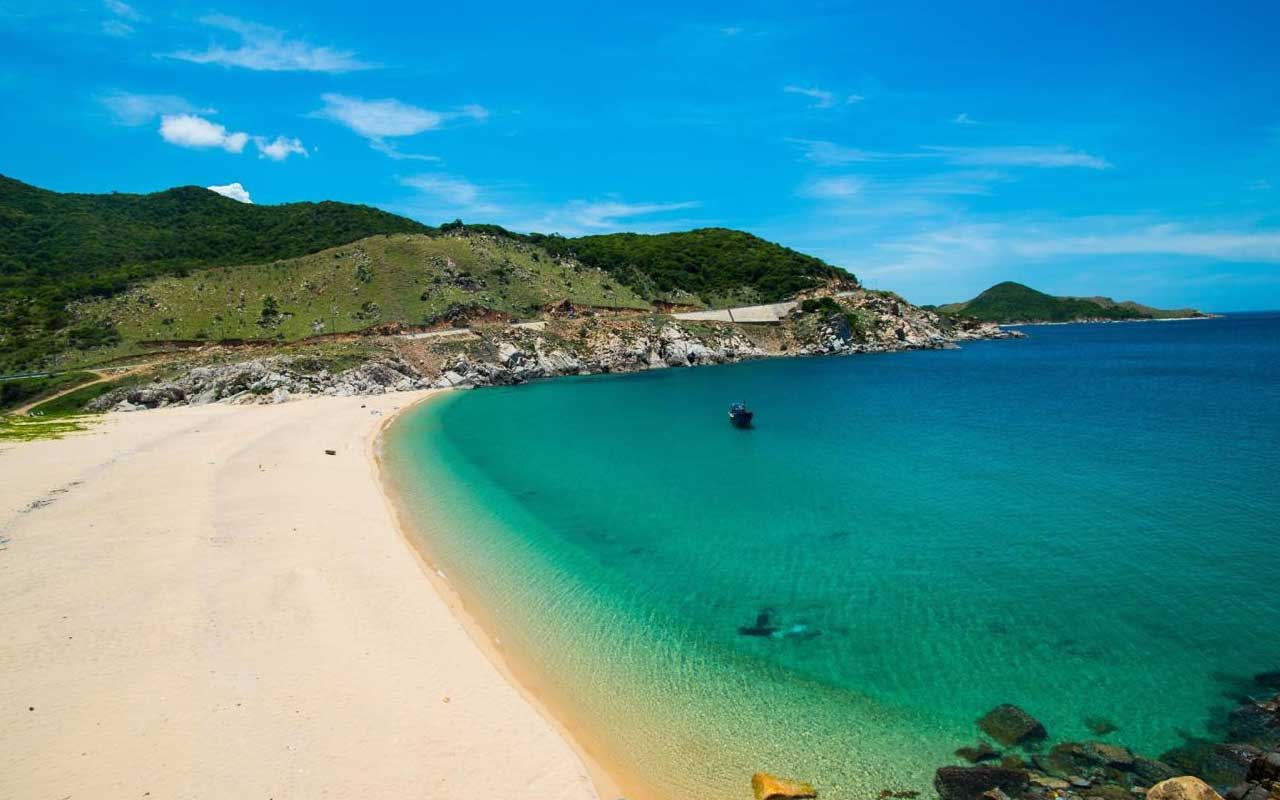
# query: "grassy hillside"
[[1014, 302], [410, 279], [56, 248], [715, 266]]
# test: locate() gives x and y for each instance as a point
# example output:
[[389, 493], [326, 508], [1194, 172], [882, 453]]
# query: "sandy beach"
[[201, 603]]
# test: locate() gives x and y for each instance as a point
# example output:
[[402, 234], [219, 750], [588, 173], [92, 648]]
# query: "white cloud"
[[188, 130], [1020, 156], [139, 109], [233, 190], [730, 30], [386, 118], [265, 48], [278, 149], [963, 118]]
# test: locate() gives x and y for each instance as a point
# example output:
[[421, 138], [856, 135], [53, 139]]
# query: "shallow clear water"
[[1082, 523]]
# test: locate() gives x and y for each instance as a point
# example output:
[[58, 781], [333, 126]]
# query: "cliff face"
[[858, 322]]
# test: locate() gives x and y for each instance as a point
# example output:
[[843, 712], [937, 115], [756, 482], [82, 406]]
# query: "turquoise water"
[[1082, 523]]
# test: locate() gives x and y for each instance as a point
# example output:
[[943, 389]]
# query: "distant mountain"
[[1011, 302]]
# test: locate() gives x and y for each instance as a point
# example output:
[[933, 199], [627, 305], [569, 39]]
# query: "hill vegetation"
[[56, 248], [1010, 302], [717, 266], [99, 273], [408, 279]]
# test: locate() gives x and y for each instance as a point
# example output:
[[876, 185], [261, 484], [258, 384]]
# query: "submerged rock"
[[771, 787], [1182, 788], [1150, 771], [1010, 726], [979, 753], [970, 783], [1100, 726]]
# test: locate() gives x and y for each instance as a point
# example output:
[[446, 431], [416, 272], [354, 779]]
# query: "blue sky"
[[931, 148]]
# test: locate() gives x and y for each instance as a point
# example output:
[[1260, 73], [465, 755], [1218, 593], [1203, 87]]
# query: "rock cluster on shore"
[[1244, 767]]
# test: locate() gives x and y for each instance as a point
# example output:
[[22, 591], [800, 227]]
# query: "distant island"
[[1009, 302]]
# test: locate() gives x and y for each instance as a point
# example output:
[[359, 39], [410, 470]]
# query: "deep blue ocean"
[[1083, 523]]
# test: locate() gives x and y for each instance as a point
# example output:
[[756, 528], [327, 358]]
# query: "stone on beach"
[[1185, 787], [1010, 725], [771, 787]]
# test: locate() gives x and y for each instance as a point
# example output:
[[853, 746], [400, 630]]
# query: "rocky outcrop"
[[1247, 768], [771, 787], [500, 354], [264, 380], [523, 355]]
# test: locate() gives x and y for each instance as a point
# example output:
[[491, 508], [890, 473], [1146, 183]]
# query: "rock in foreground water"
[[1182, 788], [771, 787]]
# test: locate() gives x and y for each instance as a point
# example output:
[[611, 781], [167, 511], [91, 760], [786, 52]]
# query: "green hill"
[[95, 273], [1010, 302], [406, 279], [57, 248]]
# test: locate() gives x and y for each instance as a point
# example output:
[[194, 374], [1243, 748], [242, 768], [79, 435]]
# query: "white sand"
[[211, 607]]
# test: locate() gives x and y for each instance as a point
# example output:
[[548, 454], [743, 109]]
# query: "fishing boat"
[[740, 416]]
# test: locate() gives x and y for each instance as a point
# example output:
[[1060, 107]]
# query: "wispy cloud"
[[233, 190], [992, 246], [608, 215], [821, 97], [830, 154], [444, 196], [1020, 156], [132, 109], [189, 130], [963, 118], [451, 192], [842, 187], [265, 48], [123, 15], [387, 118]]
